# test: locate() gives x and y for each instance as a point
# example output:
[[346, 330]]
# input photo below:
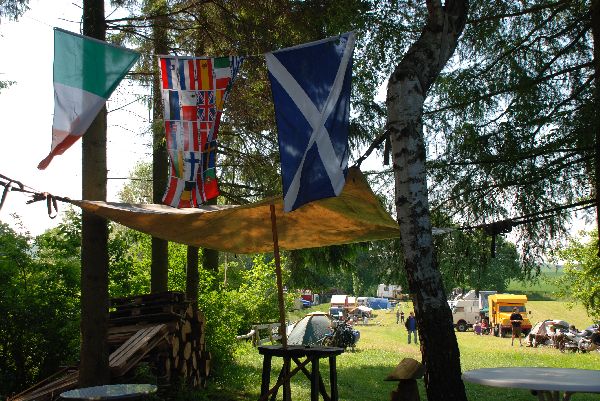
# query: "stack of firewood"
[[182, 354]]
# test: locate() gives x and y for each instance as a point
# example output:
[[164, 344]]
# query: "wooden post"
[[282, 330], [266, 376], [94, 233], [333, 378], [314, 379]]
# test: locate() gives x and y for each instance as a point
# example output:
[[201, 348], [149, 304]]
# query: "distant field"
[[383, 344], [543, 288]]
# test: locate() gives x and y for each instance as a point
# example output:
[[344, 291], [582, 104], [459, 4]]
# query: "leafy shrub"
[[39, 305]]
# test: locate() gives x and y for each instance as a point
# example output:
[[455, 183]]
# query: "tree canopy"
[[511, 121], [581, 278]]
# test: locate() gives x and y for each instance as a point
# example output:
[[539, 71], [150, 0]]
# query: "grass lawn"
[[383, 344], [543, 288]]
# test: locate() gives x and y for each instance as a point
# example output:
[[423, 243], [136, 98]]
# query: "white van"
[[466, 309]]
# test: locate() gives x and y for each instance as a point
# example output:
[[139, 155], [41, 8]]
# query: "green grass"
[[383, 345]]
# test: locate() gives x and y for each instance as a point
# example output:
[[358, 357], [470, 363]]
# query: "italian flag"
[[86, 72]]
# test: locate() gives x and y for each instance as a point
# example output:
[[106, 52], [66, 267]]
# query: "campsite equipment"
[[590, 339], [378, 303], [343, 336], [310, 330], [541, 333]]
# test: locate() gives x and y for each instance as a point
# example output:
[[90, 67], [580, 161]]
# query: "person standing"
[[401, 316], [411, 327], [515, 320], [398, 314]]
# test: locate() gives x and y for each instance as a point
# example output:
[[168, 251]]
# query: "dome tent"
[[310, 330]]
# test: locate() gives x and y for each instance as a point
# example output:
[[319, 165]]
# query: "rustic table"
[[302, 356], [110, 392]]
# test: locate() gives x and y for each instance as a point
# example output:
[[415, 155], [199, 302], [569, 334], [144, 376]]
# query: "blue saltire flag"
[[311, 91]]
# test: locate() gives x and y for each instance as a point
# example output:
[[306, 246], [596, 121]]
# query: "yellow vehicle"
[[501, 307]]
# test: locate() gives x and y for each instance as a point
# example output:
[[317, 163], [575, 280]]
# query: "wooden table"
[[546, 383], [110, 392], [301, 356]]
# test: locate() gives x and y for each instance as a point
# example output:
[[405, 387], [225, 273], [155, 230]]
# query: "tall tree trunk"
[[407, 90], [94, 233], [192, 278], [596, 121], [159, 277], [210, 257]]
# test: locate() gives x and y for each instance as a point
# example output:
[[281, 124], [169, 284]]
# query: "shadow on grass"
[[356, 382]]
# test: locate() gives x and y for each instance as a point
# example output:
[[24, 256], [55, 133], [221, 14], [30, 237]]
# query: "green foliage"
[[223, 320], [129, 261], [231, 309], [13, 9], [380, 263], [5, 84], [465, 261], [39, 305], [139, 187], [581, 278], [324, 268], [258, 293], [509, 121]]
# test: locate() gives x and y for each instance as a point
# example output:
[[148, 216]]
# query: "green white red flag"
[[86, 72]]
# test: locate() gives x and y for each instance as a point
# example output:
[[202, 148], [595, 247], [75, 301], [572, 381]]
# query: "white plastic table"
[[547, 383], [110, 392]]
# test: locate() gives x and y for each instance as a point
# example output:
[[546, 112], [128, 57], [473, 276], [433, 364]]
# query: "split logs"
[[182, 355]]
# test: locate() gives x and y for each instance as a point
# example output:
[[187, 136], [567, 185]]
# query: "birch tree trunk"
[[407, 90]]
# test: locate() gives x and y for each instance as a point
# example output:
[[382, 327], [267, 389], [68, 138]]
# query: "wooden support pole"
[[282, 330]]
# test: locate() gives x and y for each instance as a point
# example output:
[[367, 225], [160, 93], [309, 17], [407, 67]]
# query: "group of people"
[[482, 327], [410, 324]]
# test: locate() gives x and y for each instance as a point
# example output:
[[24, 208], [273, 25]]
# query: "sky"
[[26, 110]]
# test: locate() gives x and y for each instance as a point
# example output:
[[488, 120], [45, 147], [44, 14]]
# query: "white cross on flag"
[[311, 90]]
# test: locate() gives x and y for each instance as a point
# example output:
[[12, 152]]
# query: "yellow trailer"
[[501, 307]]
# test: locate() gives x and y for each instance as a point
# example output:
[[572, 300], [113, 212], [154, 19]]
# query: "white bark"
[[407, 90]]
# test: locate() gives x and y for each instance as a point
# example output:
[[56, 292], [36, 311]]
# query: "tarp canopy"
[[354, 216]]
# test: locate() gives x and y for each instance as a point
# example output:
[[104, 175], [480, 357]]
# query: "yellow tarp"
[[354, 216]]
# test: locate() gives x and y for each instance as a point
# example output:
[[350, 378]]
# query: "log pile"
[[163, 329], [182, 354]]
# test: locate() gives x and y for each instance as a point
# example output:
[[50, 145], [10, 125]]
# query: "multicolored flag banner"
[[311, 86], [86, 72], [194, 91]]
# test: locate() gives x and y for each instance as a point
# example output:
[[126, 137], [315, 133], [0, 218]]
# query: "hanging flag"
[[194, 91], [86, 72], [311, 90]]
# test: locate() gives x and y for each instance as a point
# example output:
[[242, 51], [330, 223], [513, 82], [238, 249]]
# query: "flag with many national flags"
[[194, 91]]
